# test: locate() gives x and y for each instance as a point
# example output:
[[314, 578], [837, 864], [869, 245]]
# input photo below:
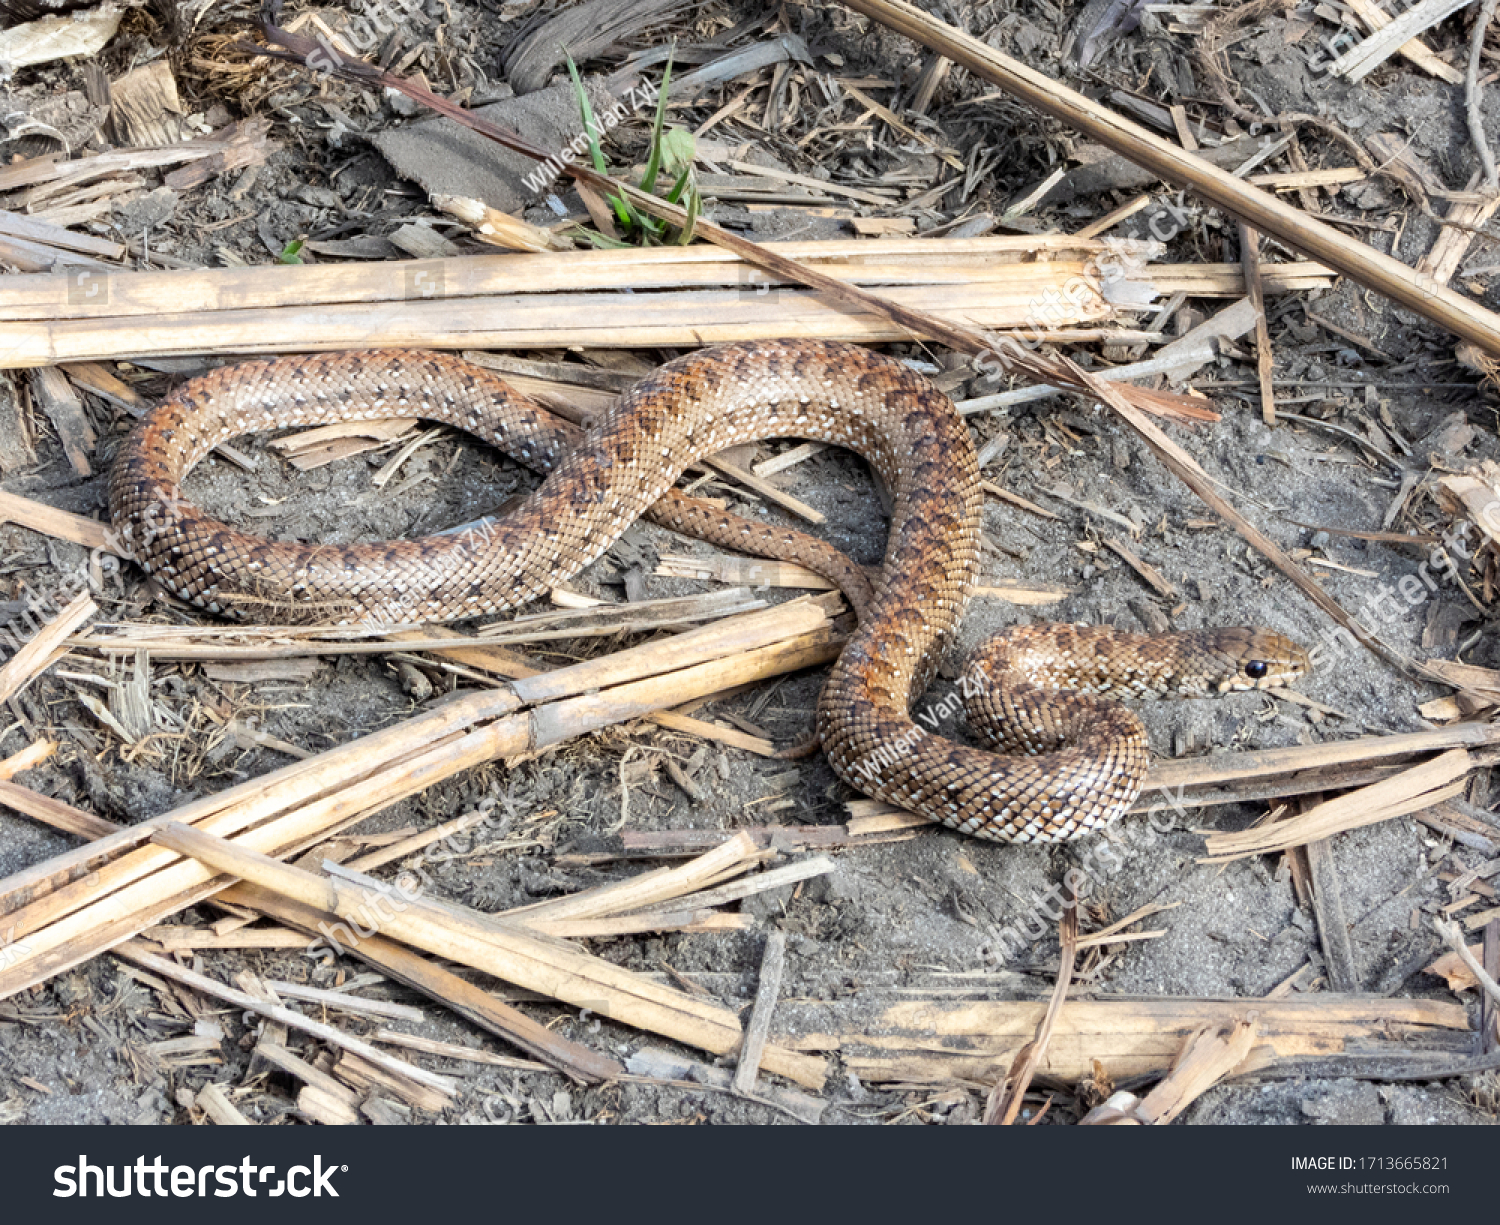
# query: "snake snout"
[[1264, 659]]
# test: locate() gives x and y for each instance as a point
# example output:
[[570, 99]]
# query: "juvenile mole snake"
[[1065, 763]]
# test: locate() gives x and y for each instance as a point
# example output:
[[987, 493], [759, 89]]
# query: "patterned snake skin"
[[1088, 757]]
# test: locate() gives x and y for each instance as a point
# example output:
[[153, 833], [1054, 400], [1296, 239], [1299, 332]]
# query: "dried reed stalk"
[[501, 949], [73, 906]]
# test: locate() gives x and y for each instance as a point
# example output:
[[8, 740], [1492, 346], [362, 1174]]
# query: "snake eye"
[[1256, 669]]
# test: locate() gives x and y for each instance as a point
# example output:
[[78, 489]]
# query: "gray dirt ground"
[[893, 917]]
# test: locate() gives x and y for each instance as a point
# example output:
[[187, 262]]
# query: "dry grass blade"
[[26, 759], [1187, 470]]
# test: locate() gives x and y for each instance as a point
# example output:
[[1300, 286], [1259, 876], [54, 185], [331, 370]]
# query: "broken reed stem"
[[1006, 1098], [926, 1041], [649, 889], [758, 1029], [137, 954], [1219, 768], [48, 645], [1404, 793], [506, 952], [1454, 939], [75, 905], [1207, 1057], [400, 963], [27, 759]]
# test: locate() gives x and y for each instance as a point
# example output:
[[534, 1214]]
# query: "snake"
[[1059, 759]]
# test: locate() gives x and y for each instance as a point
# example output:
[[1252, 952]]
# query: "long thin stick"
[[1455, 940]]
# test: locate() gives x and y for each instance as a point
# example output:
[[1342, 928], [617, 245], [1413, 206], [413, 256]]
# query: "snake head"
[[1260, 659]]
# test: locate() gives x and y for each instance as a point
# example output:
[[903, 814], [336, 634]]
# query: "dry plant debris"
[[517, 788]]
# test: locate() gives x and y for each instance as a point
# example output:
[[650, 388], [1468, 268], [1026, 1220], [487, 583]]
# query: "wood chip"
[[759, 1028]]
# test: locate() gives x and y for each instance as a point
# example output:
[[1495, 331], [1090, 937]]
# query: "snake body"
[[1068, 764]]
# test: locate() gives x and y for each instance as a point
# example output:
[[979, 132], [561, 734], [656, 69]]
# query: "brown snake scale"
[[1068, 763]]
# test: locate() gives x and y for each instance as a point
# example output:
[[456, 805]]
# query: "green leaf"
[[677, 150], [291, 253], [683, 180], [694, 208], [590, 128], [653, 163]]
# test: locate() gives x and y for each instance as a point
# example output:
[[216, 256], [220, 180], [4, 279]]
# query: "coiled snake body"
[[1069, 763]]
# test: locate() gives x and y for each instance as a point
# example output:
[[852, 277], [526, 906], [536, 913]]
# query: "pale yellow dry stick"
[[46, 647], [391, 959], [520, 320], [214, 1101], [1407, 792], [905, 261], [739, 854], [31, 756], [1210, 1055], [926, 1041], [62, 524]]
